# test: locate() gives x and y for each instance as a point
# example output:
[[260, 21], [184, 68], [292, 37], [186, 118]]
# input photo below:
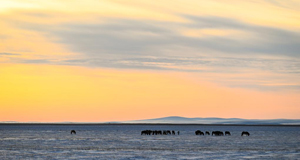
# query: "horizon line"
[[198, 124], [132, 121]]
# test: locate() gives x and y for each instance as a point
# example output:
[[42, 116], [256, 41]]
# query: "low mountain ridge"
[[183, 120], [213, 120]]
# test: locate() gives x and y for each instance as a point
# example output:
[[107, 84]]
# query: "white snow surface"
[[126, 142]]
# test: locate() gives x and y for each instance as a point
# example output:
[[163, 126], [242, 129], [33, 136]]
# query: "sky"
[[113, 60]]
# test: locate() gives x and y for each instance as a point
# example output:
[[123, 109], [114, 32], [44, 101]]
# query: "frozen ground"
[[125, 142]]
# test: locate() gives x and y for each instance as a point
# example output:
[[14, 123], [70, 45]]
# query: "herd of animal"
[[159, 132], [198, 132], [220, 133]]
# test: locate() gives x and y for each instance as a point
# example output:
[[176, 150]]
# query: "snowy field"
[[126, 142]]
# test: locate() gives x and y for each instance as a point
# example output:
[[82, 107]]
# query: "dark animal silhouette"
[[198, 132], [153, 132], [73, 132], [217, 133], [227, 133], [157, 132], [143, 132], [244, 133], [207, 133], [173, 132], [178, 132], [164, 132], [146, 132]]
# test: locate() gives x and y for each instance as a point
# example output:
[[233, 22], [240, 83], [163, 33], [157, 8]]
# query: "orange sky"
[[63, 93], [97, 61]]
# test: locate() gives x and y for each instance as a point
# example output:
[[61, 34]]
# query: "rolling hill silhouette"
[[213, 120]]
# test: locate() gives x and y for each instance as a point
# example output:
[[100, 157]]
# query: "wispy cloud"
[[119, 37], [9, 54], [201, 43]]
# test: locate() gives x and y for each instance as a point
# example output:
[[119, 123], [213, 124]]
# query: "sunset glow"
[[98, 61]]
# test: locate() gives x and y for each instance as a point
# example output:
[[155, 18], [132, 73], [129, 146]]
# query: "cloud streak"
[[9, 54], [196, 43]]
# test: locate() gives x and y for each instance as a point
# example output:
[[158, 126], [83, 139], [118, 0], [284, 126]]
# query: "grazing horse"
[[198, 132], [244, 133], [146, 132], [217, 133], [165, 132], [73, 131], [173, 132], [207, 133], [159, 132], [227, 133]]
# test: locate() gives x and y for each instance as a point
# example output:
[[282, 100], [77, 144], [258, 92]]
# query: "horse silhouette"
[[166, 132], [227, 133], [157, 132], [146, 132], [73, 132], [173, 132], [198, 132], [217, 133], [207, 133], [245, 133]]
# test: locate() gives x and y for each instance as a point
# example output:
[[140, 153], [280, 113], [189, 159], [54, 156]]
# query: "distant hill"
[[184, 120]]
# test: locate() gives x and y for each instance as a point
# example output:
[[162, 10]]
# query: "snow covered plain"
[[125, 142]]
